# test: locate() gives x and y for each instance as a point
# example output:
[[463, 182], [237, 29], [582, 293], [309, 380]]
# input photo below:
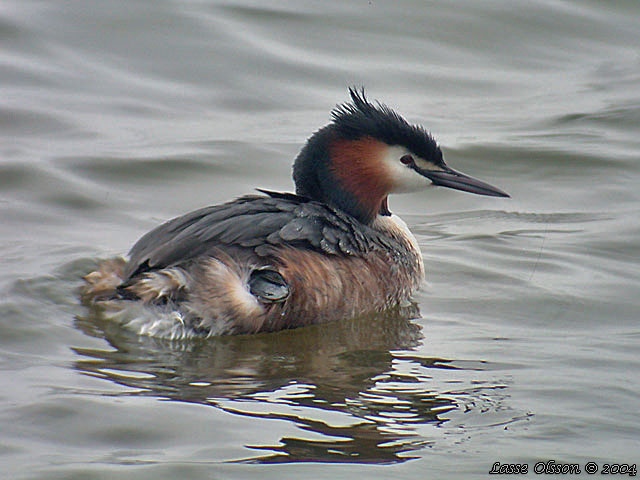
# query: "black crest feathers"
[[362, 118]]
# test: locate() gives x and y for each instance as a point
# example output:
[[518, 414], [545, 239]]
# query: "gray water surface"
[[118, 115]]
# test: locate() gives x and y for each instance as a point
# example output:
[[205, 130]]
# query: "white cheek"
[[404, 178]]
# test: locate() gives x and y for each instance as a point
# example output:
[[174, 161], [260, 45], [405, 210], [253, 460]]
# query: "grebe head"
[[368, 152]]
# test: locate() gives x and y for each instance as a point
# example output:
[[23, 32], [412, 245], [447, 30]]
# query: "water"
[[117, 115]]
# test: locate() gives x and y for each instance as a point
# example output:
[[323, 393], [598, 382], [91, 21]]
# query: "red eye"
[[407, 159]]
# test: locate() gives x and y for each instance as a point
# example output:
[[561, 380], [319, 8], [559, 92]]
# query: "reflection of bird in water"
[[275, 261], [302, 376]]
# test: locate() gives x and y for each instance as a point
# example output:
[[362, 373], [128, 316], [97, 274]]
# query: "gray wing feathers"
[[253, 222]]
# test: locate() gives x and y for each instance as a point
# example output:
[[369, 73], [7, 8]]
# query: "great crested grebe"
[[268, 262]]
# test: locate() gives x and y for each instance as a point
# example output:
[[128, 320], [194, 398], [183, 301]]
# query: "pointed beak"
[[452, 179]]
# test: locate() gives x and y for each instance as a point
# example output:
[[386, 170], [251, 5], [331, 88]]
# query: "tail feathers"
[[103, 283], [108, 283], [214, 296]]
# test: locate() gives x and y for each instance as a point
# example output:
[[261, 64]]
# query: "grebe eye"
[[407, 159]]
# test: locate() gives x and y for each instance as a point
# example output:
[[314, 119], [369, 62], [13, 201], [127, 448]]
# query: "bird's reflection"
[[343, 370]]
